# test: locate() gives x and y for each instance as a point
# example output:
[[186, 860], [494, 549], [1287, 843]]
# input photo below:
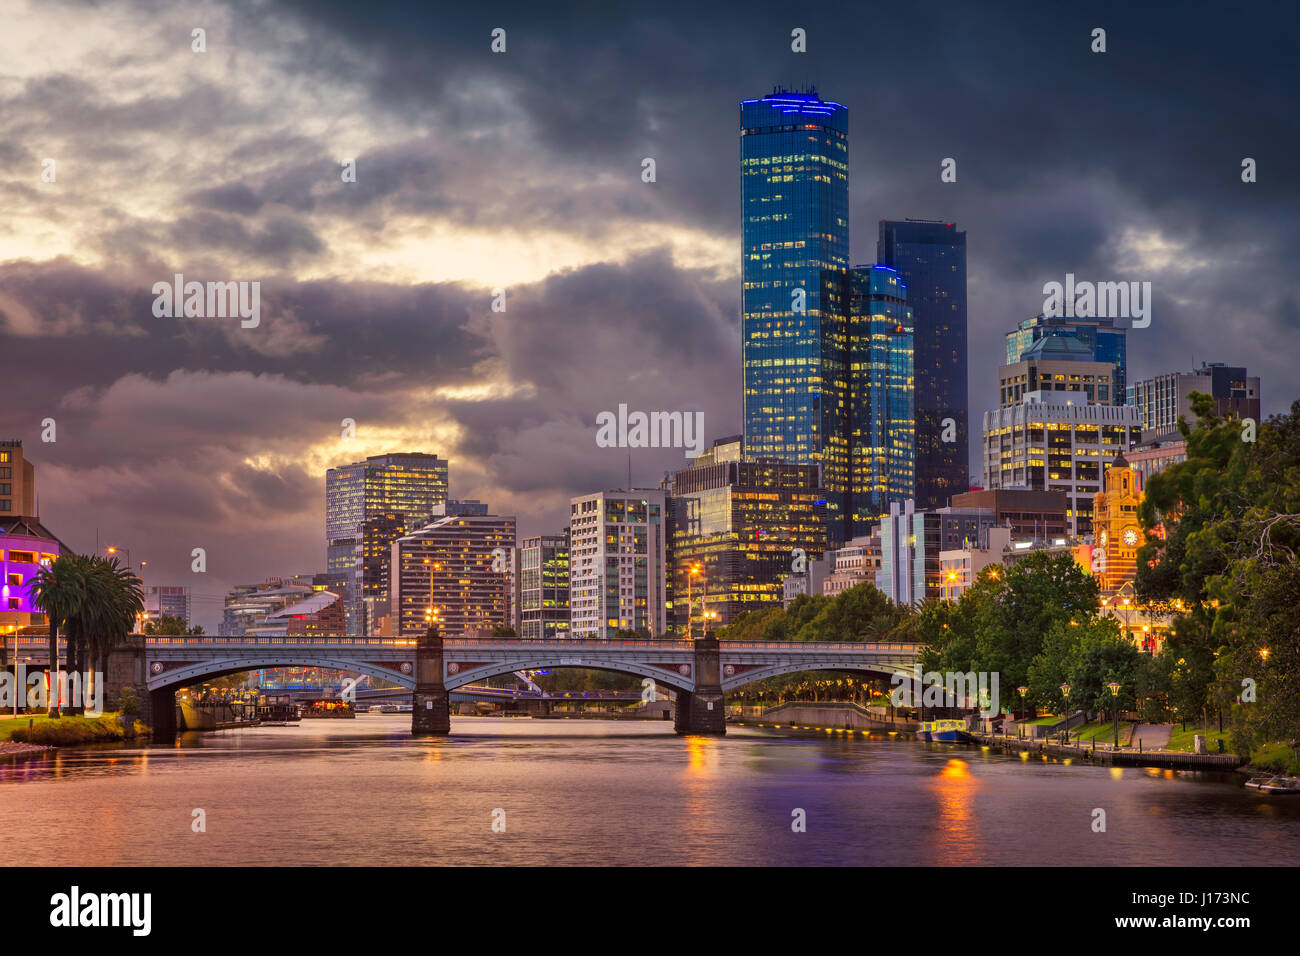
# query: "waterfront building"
[[1163, 398], [618, 562], [912, 541], [1117, 535], [737, 525], [17, 481], [319, 614], [249, 605], [1029, 514], [882, 418], [930, 259], [543, 587], [170, 599], [1099, 336], [25, 546], [404, 488], [794, 259], [1050, 442], [455, 570]]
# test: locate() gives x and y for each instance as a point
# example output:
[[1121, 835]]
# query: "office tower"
[[377, 537], [405, 487], [455, 571], [959, 567], [794, 256], [1063, 369], [911, 542], [469, 506], [170, 599], [618, 563], [1050, 442], [882, 424], [1116, 531], [930, 258], [543, 588], [247, 606], [17, 481], [738, 525], [1100, 336], [1163, 398]]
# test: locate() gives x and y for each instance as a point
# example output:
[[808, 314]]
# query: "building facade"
[[543, 587], [858, 562], [794, 257], [385, 490], [1099, 336], [738, 525], [1162, 399], [17, 481], [25, 547], [171, 599], [912, 541], [882, 415], [930, 259], [618, 562], [1029, 514], [1039, 445], [455, 573], [959, 567]]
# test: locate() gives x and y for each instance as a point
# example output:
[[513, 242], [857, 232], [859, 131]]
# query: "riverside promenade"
[[1092, 752]]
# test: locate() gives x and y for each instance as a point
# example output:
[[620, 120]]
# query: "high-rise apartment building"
[[382, 490], [618, 562], [882, 416], [737, 525], [930, 259], [1161, 399], [1099, 336], [911, 543], [170, 599], [17, 481], [542, 607], [457, 566], [794, 257]]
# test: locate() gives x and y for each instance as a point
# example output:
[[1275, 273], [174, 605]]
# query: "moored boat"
[[923, 731], [949, 731]]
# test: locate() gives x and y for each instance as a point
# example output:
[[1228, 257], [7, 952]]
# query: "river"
[[344, 792]]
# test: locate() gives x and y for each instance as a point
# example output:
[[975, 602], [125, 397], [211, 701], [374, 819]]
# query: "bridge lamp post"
[[1114, 693], [431, 613]]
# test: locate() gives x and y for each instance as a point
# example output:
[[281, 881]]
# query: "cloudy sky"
[[521, 170]]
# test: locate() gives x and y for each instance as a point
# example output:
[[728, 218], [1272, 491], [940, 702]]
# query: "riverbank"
[[70, 731], [1091, 752]]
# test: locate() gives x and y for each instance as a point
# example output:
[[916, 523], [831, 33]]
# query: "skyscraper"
[[618, 559], [930, 258], [794, 256], [1162, 399], [402, 489], [882, 424], [543, 587]]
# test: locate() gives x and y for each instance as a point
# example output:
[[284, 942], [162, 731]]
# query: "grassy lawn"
[[1103, 733], [65, 730], [1276, 757], [1043, 720], [1182, 739], [9, 723]]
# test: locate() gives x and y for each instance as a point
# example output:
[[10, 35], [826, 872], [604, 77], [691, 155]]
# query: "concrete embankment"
[[835, 714], [1166, 759]]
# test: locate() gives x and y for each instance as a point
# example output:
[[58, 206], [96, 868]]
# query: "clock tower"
[[1115, 525]]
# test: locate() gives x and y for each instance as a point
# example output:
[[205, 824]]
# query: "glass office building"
[[1103, 340], [739, 520], [405, 487], [794, 257], [930, 258], [882, 433], [543, 600]]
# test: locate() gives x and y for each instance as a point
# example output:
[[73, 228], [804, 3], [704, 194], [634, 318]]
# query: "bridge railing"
[[403, 642]]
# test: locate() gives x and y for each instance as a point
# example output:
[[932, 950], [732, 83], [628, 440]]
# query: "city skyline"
[[174, 434]]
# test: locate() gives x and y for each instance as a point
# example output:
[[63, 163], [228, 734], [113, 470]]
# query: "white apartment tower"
[[617, 563]]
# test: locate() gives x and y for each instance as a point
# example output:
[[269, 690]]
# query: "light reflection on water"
[[606, 792]]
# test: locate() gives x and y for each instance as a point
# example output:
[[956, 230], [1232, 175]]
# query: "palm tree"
[[115, 601], [59, 590]]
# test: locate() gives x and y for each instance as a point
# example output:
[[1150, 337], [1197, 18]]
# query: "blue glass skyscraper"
[[882, 434], [794, 259]]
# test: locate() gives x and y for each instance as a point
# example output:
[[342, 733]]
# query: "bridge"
[[701, 671]]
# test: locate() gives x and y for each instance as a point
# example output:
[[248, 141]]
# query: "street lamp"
[[1114, 693], [431, 612], [690, 596], [1065, 692], [1023, 691]]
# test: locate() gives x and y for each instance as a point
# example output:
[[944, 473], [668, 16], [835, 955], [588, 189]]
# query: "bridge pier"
[[430, 705], [702, 711], [126, 668]]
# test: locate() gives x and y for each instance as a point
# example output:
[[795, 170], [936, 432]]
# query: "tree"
[[501, 630], [59, 590], [170, 625]]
